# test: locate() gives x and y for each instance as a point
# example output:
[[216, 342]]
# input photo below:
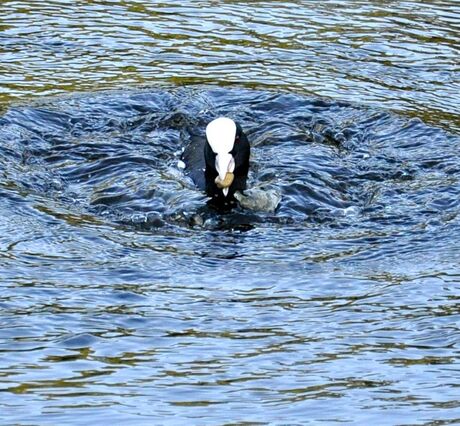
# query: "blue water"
[[124, 299]]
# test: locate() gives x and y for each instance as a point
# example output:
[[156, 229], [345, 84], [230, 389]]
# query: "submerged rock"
[[259, 199]]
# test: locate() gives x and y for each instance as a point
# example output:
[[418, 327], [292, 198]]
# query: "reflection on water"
[[124, 299], [402, 57]]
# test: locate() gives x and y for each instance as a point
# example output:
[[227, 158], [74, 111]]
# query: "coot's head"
[[227, 161]]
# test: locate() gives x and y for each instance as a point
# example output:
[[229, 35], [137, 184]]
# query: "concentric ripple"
[[115, 156], [125, 300], [119, 304]]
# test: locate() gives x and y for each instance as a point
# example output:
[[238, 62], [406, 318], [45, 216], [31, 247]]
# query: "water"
[[124, 299]]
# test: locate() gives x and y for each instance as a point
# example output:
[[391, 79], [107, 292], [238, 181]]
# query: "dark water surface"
[[123, 299]]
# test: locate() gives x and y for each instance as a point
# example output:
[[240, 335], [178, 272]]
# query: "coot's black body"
[[200, 160]]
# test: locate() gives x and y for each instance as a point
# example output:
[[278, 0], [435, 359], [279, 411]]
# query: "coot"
[[219, 163]]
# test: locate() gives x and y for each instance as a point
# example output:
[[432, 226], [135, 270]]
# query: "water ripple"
[[124, 299], [396, 58]]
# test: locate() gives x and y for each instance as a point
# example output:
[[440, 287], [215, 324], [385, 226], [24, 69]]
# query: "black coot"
[[219, 163]]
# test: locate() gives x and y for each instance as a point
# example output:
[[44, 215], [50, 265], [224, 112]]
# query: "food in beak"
[[226, 182], [225, 165]]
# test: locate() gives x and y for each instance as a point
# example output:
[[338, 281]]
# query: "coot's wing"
[[193, 157]]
